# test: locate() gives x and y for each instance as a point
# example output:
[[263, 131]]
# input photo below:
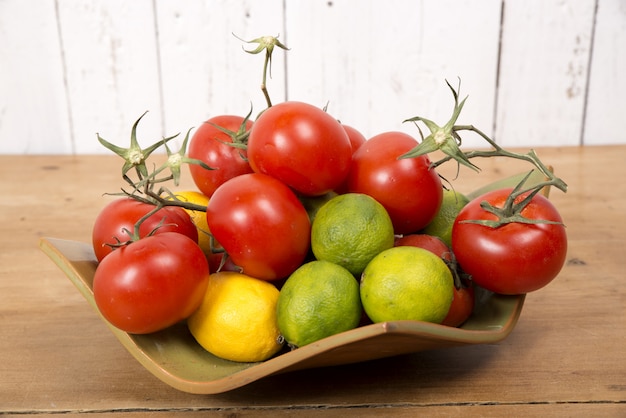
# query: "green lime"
[[407, 283], [349, 230], [313, 203], [318, 300], [441, 225]]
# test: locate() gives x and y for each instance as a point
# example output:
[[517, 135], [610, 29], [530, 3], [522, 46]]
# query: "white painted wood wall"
[[538, 72]]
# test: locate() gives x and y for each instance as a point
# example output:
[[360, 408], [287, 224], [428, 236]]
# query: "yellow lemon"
[[441, 225], [318, 300], [349, 230], [237, 318], [198, 217], [407, 283]]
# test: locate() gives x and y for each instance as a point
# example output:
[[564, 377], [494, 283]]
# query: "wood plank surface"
[[538, 72], [564, 358], [28, 89], [203, 68], [390, 66], [604, 104], [112, 69], [547, 64]]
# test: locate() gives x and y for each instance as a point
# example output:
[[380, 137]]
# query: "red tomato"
[[356, 138], [409, 189], [210, 145], [221, 262], [302, 146], [261, 224], [428, 242], [121, 215], [514, 258], [462, 305], [151, 284]]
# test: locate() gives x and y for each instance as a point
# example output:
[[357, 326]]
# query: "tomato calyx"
[[444, 138], [448, 140], [511, 210], [267, 44], [239, 138], [174, 162], [144, 183], [134, 235], [459, 277], [134, 156]]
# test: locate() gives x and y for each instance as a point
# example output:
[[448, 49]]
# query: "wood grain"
[[604, 105], [540, 73], [545, 55], [396, 66], [564, 358], [203, 67], [112, 70], [29, 89]]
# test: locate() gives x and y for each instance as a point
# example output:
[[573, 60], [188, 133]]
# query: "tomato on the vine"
[[151, 284], [409, 189], [118, 218], [355, 136], [428, 242], [302, 146], [356, 140], [463, 301], [515, 257], [261, 224], [214, 147]]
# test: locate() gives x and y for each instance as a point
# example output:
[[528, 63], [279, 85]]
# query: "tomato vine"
[[447, 139]]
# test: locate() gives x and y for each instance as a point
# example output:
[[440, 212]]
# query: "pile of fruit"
[[300, 229]]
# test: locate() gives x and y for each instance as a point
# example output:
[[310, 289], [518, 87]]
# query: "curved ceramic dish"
[[174, 356], [177, 359]]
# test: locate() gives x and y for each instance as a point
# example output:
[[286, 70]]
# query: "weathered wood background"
[[537, 72]]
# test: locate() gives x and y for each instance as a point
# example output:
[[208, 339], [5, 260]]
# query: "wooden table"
[[566, 357]]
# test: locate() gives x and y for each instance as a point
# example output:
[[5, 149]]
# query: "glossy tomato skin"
[[514, 258], [462, 306], [428, 242], [151, 284], [409, 189], [261, 224], [356, 140], [121, 215], [302, 146], [355, 136], [210, 145]]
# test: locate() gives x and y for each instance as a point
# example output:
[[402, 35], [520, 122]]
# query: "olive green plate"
[[174, 356]]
